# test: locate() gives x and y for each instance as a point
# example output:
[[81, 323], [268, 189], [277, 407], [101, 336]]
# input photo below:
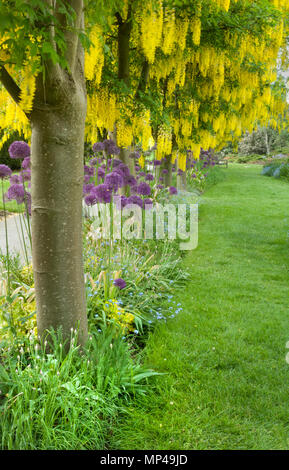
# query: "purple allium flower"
[[102, 192], [87, 188], [160, 186], [86, 179], [110, 147], [161, 178], [147, 204], [15, 179], [144, 189], [130, 180], [133, 189], [134, 199], [19, 149], [123, 168], [137, 168], [142, 174], [120, 283], [98, 147], [101, 173], [149, 177], [26, 163], [17, 192], [5, 171], [93, 161], [157, 162], [116, 162], [134, 155], [90, 200], [180, 172], [194, 175], [165, 171], [173, 190], [114, 180], [173, 169], [88, 170], [25, 176], [123, 201]]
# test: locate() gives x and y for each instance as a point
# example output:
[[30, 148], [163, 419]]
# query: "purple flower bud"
[[149, 177]]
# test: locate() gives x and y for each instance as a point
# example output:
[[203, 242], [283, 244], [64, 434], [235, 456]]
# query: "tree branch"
[[9, 84]]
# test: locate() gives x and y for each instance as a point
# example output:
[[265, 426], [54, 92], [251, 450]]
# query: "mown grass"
[[226, 382]]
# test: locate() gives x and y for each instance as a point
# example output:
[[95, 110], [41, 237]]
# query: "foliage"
[[65, 401]]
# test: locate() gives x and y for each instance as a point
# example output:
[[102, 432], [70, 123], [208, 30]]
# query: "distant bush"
[[5, 159], [277, 170]]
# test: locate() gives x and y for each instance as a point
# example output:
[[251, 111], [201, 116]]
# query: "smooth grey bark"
[[57, 180]]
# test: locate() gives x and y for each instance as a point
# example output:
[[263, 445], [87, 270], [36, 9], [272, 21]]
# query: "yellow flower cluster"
[[164, 142], [102, 113], [182, 159], [122, 318], [94, 58], [151, 28], [28, 86]]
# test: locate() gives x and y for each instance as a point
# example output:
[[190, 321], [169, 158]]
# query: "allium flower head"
[[25, 176], [134, 199], [147, 204], [123, 168], [17, 192], [19, 149], [173, 190], [130, 180], [88, 170], [90, 199], [98, 147], [144, 189], [5, 171], [101, 173], [26, 163], [157, 162], [102, 192], [114, 180], [110, 147], [116, 162], [149, 177], [120, 283], [15, 179], [87, 188], [135, 155]]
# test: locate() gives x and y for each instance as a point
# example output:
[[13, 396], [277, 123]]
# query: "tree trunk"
[[57, 179]]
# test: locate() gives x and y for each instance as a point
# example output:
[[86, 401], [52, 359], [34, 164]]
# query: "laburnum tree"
[[182, 74]]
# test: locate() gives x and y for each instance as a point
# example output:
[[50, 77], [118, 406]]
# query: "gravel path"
[[14, 236]]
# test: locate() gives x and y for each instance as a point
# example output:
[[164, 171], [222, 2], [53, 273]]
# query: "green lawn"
[[227, 382]]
